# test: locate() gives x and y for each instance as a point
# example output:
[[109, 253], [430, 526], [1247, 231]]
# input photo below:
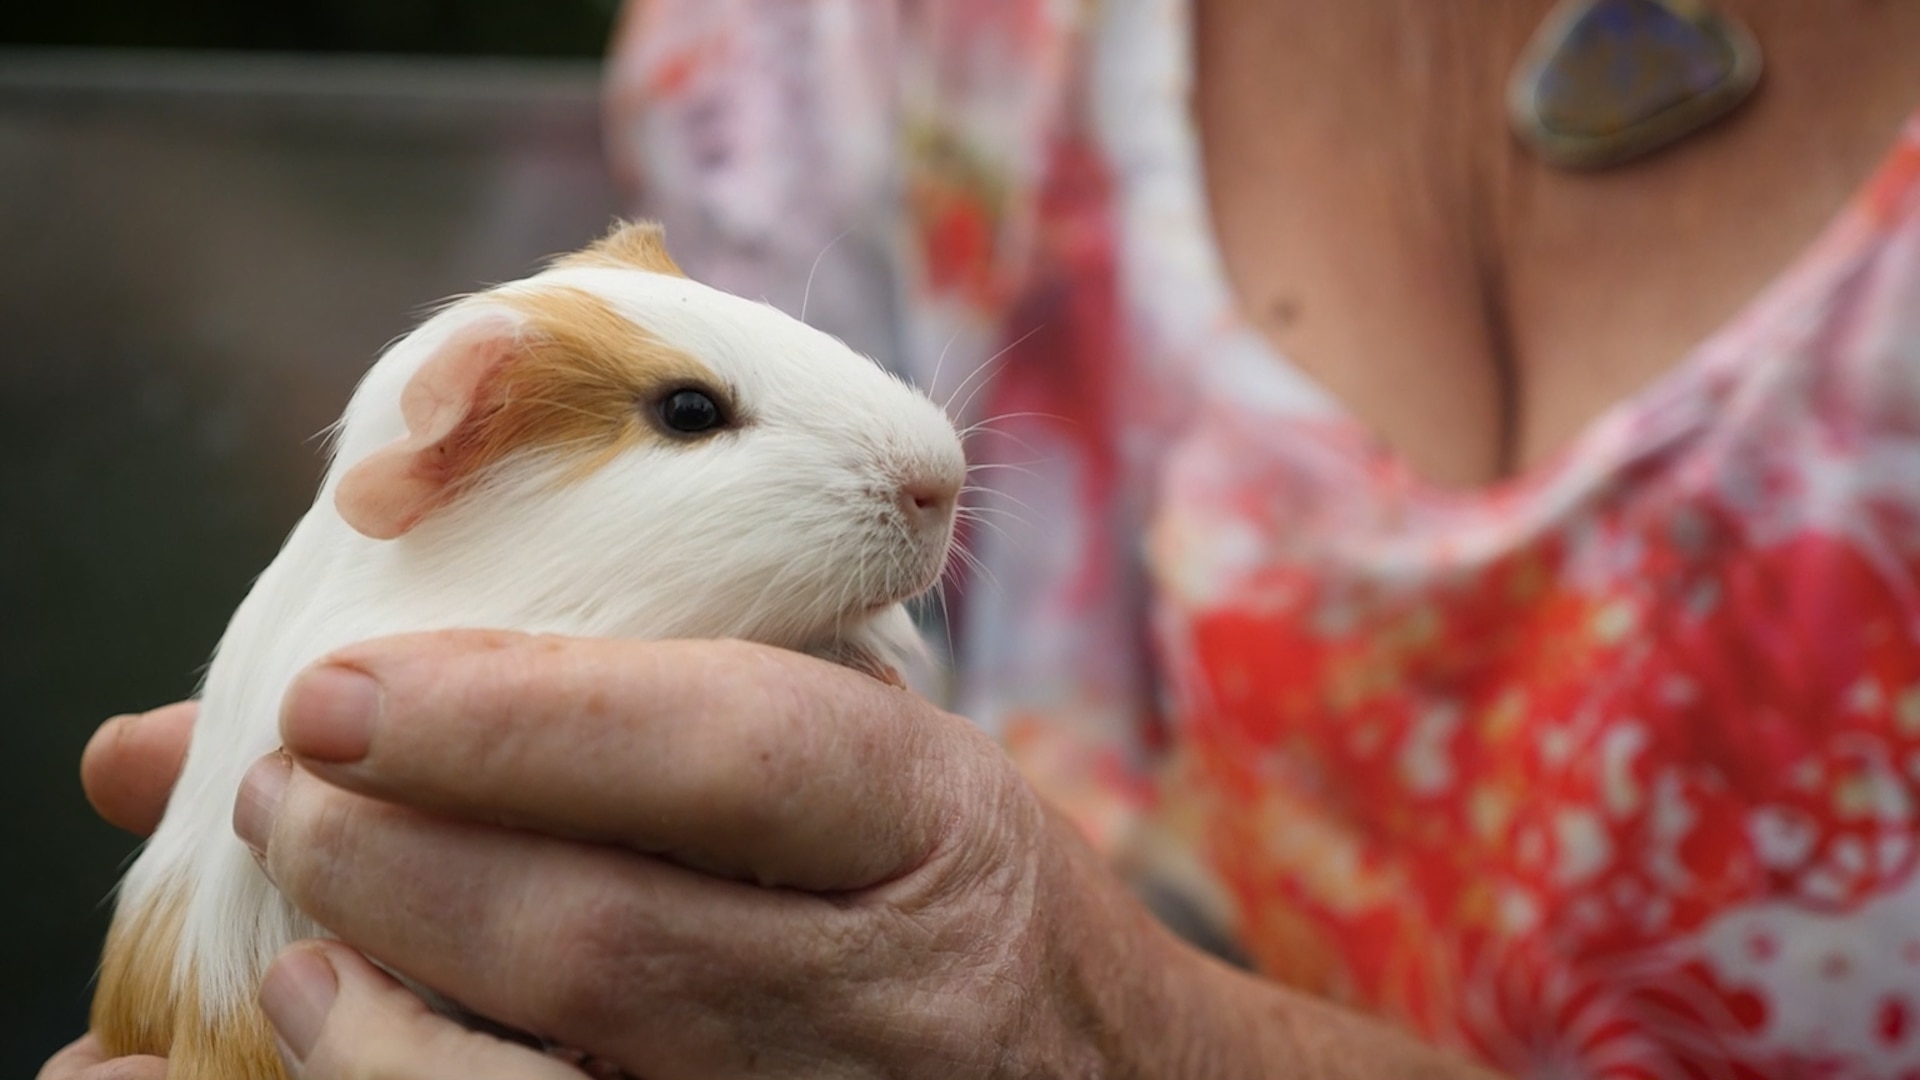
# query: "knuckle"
[[368, 1046], [320, 822], [317, 829], [837, 946], [600, 967]]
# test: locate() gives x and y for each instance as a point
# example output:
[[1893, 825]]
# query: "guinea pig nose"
[[929, 501]]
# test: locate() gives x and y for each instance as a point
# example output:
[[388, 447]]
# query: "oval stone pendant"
[[1606, 81]]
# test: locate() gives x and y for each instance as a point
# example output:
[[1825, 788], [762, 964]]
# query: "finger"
[[739, 759], [85, 1060], [593, 946], [340, 1018], [130, 764]]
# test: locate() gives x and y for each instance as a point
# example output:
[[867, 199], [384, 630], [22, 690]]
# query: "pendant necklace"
[[1603, 82]]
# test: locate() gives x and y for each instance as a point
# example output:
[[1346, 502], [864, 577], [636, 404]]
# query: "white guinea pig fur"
[[508, 465]]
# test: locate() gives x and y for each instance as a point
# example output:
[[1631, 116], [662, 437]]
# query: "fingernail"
[[259, 800], [297, 994], [329, 714]]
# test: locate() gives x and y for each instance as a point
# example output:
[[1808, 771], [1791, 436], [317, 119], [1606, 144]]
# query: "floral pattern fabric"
[[1612, 770]]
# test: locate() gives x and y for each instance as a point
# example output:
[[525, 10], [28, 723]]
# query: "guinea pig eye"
[[690, 412]]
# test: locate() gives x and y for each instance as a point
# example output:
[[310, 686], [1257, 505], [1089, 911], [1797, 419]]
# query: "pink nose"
[[928, 502]]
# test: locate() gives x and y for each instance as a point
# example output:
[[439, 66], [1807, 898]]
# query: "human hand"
[[1095, 985], [684, 858], [84, 1060], [127, 769]]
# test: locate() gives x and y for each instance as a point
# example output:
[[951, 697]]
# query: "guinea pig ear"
[[395, 487], [629, 245]]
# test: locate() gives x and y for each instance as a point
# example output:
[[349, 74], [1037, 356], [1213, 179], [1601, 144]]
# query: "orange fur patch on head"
[[578, 385], [142, 1006], [559, 373], [631, 245]]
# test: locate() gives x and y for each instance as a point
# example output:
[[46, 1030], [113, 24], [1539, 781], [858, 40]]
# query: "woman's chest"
[[1471, 307]]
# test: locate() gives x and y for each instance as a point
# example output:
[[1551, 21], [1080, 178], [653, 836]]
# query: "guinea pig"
[[606, 448]]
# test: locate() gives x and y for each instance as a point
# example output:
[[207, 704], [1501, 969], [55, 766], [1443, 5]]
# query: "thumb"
[[340, 1018]]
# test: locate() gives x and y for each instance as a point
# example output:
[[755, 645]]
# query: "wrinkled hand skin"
[[772, 866], [707, 859]]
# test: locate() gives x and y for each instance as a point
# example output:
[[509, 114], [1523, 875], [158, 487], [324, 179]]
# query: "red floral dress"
[[1609, 771]]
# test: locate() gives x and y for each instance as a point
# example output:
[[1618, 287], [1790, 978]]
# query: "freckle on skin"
[[1283, 312]]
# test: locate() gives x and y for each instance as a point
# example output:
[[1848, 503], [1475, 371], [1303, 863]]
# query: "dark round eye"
[[689, 412]]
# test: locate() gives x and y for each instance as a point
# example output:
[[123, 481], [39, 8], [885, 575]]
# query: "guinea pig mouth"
[[926, 565]]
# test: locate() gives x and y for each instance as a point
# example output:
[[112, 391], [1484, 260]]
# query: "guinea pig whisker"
[[967, 557], [986, 424], [1015, 440], [987, 523], [1000, 466], [942, 587], [934, 601], [985, 367], [974, 566], [981, 489], [941, 361], [807, 293], [1014, 499], [984, 373]]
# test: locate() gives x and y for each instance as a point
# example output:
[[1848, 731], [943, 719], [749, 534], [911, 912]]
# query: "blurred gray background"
[[199, 254]]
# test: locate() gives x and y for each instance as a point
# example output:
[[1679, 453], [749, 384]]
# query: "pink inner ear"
[[392, 489]]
